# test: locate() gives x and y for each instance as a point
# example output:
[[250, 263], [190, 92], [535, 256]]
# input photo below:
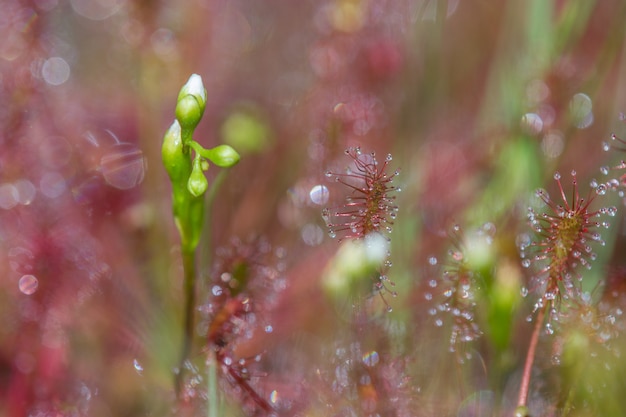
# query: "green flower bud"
[[197, 184], [194, 87], [188, 112], [176, 163], [191, 103], [223, 156]]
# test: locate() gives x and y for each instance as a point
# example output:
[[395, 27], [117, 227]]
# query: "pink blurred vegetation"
[[480, 304]]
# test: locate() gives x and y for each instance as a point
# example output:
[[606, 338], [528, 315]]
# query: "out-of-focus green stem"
[[213, 397]]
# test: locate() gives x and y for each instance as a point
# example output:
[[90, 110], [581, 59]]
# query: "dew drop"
[[319, 195], [332, 234], [55, 71], [532, 123], [526, 263], [25, 190], [522, 241], [557, 175], [312, 234], [370, 358], [137, 366], [52, 184], [580, 108], [9, 196], [269, 329], [274, 397], [606, 146], [438, 322], [28, 284], [604, 170], [432, 260], [328, 174], [524, 291], [601, 189]]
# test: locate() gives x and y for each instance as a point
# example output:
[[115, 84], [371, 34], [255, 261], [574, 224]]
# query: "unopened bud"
[[191, 103], [175, 161], [197, 184], [223, 156]]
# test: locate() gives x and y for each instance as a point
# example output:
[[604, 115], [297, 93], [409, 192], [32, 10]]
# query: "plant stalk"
[[212, 393], [189, 267], [530, 358]]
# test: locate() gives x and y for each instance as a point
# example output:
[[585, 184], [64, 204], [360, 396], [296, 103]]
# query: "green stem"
[[199, 149], [189, 267], [213, 397]]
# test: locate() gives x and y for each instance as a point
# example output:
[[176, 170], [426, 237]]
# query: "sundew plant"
[[404, 208]]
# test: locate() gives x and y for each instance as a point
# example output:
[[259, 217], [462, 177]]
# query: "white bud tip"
[[195, 86]]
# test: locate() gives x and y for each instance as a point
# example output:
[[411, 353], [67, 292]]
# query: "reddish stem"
[[530, 358], [243, 383]]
